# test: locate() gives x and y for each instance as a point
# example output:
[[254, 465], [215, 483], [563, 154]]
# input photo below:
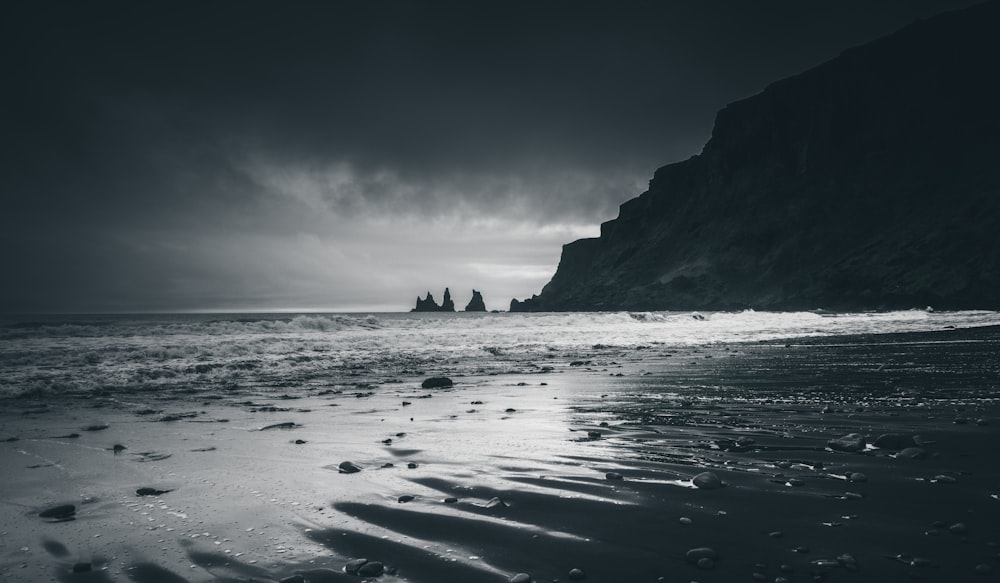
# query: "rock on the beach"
[[699, 554], [707, 481], [371, 569], [62, 512], [852, 442], [354, 566], [857, 477], [151, 492], [349, 468], [912, 453], [613, 476], [894, 441], [405, 498], [437, 383], [521, 578], [577, 575]]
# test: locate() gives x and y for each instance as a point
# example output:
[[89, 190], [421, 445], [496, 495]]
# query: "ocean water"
[[197, 354]]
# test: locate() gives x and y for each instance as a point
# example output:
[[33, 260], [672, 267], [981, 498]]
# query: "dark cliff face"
[[869, 182]]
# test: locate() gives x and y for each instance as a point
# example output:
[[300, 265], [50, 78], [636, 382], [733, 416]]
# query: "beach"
[[580, 466]]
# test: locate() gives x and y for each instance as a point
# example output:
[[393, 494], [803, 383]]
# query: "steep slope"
[[869, 182]]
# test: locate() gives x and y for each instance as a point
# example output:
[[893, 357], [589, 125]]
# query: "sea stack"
[[476, 304], [429, 305]]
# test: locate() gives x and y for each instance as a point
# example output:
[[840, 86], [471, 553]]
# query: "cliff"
[[869, 182]]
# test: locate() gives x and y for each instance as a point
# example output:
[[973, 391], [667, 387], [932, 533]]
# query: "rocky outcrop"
[[429, 305], [869, 182], [476, 304]]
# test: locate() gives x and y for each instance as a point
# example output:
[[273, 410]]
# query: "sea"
[[88, 355]]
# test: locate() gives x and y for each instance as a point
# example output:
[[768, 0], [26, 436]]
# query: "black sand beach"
[[585, 464]]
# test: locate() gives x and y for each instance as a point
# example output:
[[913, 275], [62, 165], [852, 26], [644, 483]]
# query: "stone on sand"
[[707, 481], [437, 383], [698, 554], [521, 578], [912, 453], [852, 442], [371, 569], [894, 441], [613, 476], [577, 575], [349, 468]]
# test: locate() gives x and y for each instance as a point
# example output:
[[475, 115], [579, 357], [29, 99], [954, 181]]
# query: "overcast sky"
[[351, 155]]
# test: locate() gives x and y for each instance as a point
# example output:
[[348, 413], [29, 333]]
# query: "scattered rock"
[[912, 453], [894, 441], [594, 434], [299, 442], [285, 425], [353, 566], [857, 477], [63, 512], [685, 520], [577, 575], [943, 479], [118, 448], [151, 492], [371, 569], [450, 500], [404, 498], [613, 476], [958, 528], [852, 442], [437, 383], [412, 466], [82, 568], [349, 468], [521, 578], [696, 555], [707, 481], [100, 427]]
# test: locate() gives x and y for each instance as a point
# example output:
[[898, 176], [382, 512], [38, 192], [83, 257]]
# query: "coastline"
[[245, 503]]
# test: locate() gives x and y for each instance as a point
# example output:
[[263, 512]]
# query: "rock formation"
[[869, 182], [429, 305], [426, 305], [476, 304]]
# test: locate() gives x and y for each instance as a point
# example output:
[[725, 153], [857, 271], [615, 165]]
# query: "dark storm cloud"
[[133, 130]]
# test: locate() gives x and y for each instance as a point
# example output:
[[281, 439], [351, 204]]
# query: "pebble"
[[852, 442], [352, 567], [594, 434], [63, 512], [412, 466], [299, 442], [894, 441], [436, 383], [776, 534], [613, 476], [943, 479], [577, 575], [404, 498], [118, 448], [700, 554], [150, 492], [707, 481], [958, 528], [520, 578], [285, 425], [795, 482], [853, 496], [801, 550], [857, 477], [371, 569], [912, 453], [349, 468], [685, 520]]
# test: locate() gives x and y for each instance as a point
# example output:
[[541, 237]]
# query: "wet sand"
[[585, 464]]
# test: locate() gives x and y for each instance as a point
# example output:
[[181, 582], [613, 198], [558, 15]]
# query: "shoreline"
[[250, 503]]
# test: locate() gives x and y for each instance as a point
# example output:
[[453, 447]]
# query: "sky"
[[351, 155]]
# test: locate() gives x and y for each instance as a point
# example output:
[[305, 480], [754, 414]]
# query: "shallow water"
[[126, 354]]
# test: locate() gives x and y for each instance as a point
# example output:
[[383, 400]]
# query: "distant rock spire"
[[446, 304], [476, 304]]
